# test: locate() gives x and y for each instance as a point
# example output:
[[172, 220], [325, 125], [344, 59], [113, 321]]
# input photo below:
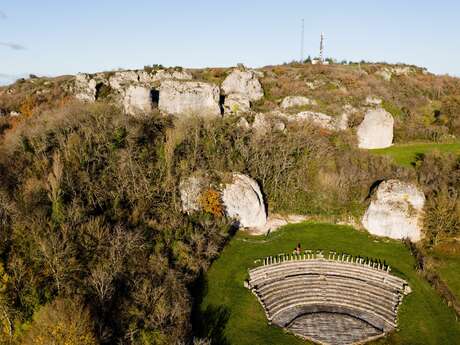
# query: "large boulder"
[[236, 104], [189, 98], [395, 211], [241, 198], [376, 130], [244, 202], [245, 83], [296, 101], [137, 100]]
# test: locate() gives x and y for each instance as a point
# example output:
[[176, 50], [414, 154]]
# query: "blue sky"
[[51, 37]]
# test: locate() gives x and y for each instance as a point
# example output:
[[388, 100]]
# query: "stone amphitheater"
[[336, 300]]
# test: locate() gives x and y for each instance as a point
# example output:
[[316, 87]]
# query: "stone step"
[[319, 270], [391, 302], [386, 315], [322, 264], [293, 282]]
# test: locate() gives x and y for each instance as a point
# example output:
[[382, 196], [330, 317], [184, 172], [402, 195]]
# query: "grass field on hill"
[[404, 154], [232, 315]]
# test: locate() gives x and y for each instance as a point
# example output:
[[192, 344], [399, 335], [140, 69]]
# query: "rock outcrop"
[[137, 100], [85, 87], [376, 130], [370, 100], [266, 123], [387, 73], [189, 98], [123, 79], [236, 104], [296, 101], [244, 202], [395, 211], [317, 119], [242, 199], [244, 83]]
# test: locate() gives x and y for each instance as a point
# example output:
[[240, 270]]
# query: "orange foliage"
[[28, 106], [211, 203]]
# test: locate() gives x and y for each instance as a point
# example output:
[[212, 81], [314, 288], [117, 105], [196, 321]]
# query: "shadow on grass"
[[208, 323]]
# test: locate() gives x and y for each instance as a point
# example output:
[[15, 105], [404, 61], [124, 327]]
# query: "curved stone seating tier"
[[350, 303], [290, 314], [321, 266], [295, 292], [293, 283], [322, 294], [370, 274]]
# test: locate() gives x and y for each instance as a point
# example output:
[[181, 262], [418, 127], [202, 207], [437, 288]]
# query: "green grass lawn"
[[404, 154], [448, 267], [234, 316], [449, 271]]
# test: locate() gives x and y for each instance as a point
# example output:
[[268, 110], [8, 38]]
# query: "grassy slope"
[[404, 154], [423, 317], [447, 258], [450, 273]]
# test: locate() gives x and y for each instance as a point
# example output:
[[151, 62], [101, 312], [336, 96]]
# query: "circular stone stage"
[[336, 300]]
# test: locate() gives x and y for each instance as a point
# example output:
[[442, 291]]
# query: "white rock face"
[[387, 72], [189, 98], [85, 88], [161, 74], [236, 104], [137, 100], [243, 201], [119, 79], [376, 130], [244, 83], [190, 190], [396, 211], [296, 101]]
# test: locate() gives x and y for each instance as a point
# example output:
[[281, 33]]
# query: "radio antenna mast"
[[321, 49], [302, 32]]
